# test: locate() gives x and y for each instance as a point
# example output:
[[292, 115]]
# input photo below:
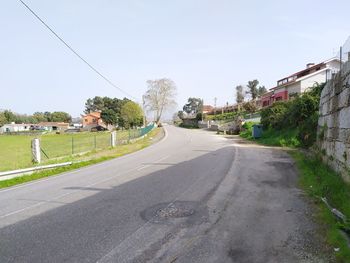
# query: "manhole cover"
[[166, 211], [174, 211]]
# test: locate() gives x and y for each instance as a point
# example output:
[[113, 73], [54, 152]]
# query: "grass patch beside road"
[[271, 137], [318, 180], [88, 159]]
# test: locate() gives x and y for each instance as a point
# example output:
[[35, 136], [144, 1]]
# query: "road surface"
[[192, 197]]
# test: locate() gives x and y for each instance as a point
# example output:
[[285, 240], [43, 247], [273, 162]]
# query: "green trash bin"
[[257, 131]]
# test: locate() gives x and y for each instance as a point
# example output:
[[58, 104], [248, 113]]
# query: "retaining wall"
[[334, 122]]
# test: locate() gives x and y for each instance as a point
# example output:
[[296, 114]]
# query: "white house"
[[300, 81], [13, 127]]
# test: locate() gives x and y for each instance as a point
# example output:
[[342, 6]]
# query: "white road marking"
[[148, 165]]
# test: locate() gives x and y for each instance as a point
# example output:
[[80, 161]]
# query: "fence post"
[[72, 145], [95, 142], [129, 136], [113, 138], [36, 156]]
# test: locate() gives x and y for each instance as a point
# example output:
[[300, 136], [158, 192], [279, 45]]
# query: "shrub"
[[275, 116]]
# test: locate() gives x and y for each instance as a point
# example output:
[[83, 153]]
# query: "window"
[[278, 98], [86, 120]]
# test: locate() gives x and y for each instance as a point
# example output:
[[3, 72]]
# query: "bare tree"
[[239, 94], [160, 96]]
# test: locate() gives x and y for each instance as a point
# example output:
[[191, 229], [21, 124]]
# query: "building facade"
[[301, 81]]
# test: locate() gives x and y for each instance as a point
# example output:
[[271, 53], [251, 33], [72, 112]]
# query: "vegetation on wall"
[[300, 114]]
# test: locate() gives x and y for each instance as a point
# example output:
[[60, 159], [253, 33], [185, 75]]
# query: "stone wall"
[[334, 122]]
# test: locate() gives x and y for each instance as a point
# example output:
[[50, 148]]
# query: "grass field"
[[15, 150], [90, 158]]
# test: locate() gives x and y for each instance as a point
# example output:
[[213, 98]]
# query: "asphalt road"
[[192, 197]]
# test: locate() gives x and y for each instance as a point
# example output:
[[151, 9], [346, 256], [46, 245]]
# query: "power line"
[[76, 53]]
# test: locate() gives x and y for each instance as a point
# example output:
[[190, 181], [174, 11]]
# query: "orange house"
[[93, 119]]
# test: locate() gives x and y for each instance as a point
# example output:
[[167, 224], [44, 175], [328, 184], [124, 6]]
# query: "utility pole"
[[215, 99], [202, 108]]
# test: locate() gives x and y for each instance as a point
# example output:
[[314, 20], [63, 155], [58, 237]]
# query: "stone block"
[[324, 109], [339, 151], [344, 118], [332, 120], [333, 133], [344, 98], [344, 135], [347, 163], [334, 102], [321, 121]]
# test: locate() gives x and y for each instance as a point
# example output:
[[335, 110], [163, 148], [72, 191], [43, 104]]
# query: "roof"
[[17, 124], [303, 73], [207, 107], [95, 114]]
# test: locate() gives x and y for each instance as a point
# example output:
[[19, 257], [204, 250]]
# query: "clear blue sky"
[[206, 47]]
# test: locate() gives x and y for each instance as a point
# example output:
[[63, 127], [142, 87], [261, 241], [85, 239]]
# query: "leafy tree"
[[24, 118], [10, 116], [3, 119], [253, 88], [160, 96], [239, 94], [132, 114], [104, 103], [193, 106], [109, 117], [261, 90], [39, 117], [60, 116], [48, 116], [94, 104]]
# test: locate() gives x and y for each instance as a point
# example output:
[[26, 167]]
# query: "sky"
[[206, 47]]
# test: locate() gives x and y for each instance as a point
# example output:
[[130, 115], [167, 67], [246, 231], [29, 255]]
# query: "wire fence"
[[15, 151]]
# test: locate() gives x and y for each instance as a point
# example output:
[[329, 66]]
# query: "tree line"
[[7, 116]]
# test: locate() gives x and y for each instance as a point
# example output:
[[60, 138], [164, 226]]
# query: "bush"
[[188, 126], [223, 116], [275, 116]]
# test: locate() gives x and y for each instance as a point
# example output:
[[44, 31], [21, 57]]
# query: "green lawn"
[[15, 150]]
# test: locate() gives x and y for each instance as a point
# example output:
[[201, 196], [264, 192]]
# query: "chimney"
[[309, 65]]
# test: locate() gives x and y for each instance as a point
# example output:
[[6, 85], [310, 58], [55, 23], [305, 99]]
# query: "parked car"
[[98, 128]]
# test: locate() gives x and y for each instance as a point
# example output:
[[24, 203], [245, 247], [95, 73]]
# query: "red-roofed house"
[[92, 119], [207, 109]]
